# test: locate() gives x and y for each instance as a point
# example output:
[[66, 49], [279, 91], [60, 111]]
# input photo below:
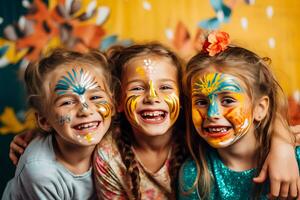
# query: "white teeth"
[[88, 125], [152, 114], [222, 130]]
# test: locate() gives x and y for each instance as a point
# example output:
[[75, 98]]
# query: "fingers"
[[275, 189], [16, 148], [262, 175], [19, 141], [29, 136], [295, 129], [13, 157], [284, 190], [293, 190]]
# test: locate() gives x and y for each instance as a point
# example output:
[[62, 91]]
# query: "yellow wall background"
[[130, 19]]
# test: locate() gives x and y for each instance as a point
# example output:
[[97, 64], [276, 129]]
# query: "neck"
[[241, 155], [152, 143], [75, 158]]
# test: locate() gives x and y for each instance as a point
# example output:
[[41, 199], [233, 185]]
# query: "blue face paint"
[[76, 83], [211, 85]]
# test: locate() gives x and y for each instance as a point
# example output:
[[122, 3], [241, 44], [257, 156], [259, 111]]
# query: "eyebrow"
[[69, 93], [161, 80]]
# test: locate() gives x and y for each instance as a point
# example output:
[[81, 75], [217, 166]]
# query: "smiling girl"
[[234, 102], [70, 93], [142, 159]]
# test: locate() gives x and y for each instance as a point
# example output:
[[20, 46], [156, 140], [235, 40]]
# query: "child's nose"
[[85, 109], [213, 110], [151, 95]]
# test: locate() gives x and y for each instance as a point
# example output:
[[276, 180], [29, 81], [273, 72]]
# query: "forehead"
[[67, 70], [209, 82], [152, 66]]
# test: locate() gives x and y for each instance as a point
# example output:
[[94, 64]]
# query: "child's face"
[[150, 96], [80, 107], [221, 108]]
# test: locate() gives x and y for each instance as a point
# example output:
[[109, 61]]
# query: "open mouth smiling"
[[153, 116], [89, 126], [217, 131]]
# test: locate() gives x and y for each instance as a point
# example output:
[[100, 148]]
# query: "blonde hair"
[[254, 71]]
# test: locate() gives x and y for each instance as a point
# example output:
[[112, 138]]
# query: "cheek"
[[130, 106], [62, 119], [104, 109], [239, 117], [174, 106], [197, 116]]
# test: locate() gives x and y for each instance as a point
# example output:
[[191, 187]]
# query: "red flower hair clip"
[[216, 42]]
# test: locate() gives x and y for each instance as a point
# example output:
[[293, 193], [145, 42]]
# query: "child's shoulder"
[[187, 175], [107, 150], [40, 151]]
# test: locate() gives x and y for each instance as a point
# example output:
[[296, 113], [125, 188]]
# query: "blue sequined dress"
[[228, 184]]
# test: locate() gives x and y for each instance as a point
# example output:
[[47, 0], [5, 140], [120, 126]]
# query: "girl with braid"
[[142, 158]]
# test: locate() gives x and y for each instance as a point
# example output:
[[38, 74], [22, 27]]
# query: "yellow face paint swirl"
[[131, 103], [104, 109], [174, 106]]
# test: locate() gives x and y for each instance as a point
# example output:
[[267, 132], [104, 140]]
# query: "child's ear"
[[43, 123], [261, 108]]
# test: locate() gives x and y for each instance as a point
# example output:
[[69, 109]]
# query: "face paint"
[[173, 103], [76, 83], [64, 119], [152, 92], [104, 109], [130, 108], [214, 86]]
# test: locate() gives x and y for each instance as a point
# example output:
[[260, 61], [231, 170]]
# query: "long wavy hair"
[[254, 71], [120, 56]]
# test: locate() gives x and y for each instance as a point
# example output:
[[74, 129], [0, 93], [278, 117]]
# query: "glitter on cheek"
[[130, 108], [64, 119], [174, 106]]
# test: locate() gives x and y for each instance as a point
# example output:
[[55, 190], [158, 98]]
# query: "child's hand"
[[19, 144], [282, 167], [296, 131]]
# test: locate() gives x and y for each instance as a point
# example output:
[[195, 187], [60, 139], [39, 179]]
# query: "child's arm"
[[281, 165], [19, 144], [296, 131]]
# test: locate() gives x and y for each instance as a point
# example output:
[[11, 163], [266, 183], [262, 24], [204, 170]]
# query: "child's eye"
[[201, 102], [166, 87], [67, 103], [137, 88], [227, 101], [95, 97]]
